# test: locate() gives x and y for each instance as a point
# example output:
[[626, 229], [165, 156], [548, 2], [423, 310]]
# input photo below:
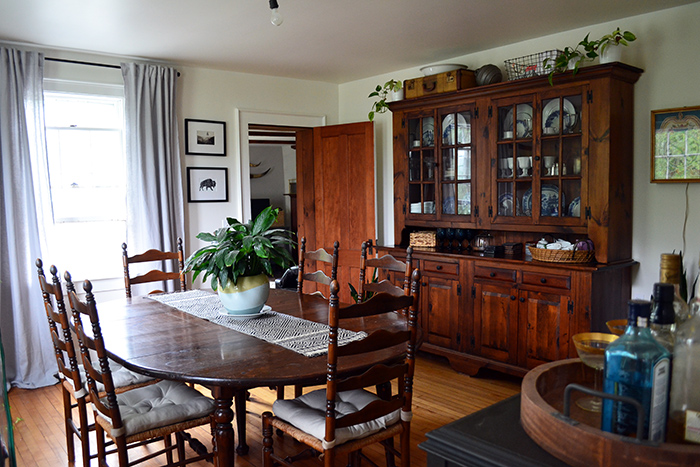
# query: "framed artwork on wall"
[[675, 145], [205, 138], [207, 184]]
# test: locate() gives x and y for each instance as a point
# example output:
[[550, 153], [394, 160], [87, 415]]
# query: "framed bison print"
[[205, 138], [207, 184]]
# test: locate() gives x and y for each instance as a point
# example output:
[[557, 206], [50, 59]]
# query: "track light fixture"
[[276, 17]]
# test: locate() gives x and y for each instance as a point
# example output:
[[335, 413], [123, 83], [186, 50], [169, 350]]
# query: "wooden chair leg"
[[267, 440], [297, 390], [240, 414], [68, 422], [84, 432], [180, 443], [280, 393], [406, 445], [168, 441]]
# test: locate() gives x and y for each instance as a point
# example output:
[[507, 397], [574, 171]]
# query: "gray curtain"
[[154, 178], [28, 349]]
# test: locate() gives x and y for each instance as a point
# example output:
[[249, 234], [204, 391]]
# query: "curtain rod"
[[78, 62]]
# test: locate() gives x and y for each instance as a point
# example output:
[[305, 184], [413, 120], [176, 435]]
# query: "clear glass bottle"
[[684, 405], [663, 317], [637, 366], [670, 273]]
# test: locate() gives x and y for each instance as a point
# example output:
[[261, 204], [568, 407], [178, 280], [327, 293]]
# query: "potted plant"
[[607, 48], [239, 260], [391, 88], [571, 58]]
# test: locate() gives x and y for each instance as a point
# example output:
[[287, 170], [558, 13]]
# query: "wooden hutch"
[[519, 159]]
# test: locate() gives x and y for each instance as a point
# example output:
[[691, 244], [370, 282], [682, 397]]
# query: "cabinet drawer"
[[495, 273], [442, 268], [548, 280]]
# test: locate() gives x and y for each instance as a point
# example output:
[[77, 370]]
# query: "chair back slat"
[[155, 275], [95, 371], [371, 411], [378, 340], [387, 263], [321, 255], [380, 374]]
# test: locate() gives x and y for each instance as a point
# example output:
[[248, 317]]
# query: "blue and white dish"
[[549, 204], [505, 204], [523, 122], [448, 205], [428, 134], [550, 117], [448, 130], [575, 207]]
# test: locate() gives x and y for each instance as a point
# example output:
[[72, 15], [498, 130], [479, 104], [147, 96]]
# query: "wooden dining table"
[[158, 340]]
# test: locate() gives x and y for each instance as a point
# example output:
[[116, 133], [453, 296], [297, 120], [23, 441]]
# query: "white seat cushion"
[[161, 404], [308, 413], [121, 376]]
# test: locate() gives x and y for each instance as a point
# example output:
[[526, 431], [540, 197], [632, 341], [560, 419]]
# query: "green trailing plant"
[[242, 249], [380, 105], [617, 37], [586, 50]]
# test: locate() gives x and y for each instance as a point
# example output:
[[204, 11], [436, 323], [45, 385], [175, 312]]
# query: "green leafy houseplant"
[[589, 51], [241, 250], [380, 106], [617, 37]]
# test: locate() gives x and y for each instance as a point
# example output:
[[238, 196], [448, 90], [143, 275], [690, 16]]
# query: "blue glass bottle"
[[637, 366]]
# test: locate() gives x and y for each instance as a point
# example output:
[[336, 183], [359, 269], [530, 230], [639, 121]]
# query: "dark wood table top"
[[155, 339]]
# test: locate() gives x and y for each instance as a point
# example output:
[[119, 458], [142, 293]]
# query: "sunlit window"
[[87, 174]]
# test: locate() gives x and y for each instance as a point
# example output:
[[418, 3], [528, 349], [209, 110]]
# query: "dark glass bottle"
[[637, 366], [663, 316]]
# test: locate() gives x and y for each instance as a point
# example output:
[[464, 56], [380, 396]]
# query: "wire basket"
[[561, 256], [530, 65]]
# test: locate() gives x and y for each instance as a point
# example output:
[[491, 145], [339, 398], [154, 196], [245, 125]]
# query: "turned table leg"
[[223, 429], [241, 397]]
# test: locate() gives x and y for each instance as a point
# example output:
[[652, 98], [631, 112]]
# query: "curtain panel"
[[28, 350], [155, 210]]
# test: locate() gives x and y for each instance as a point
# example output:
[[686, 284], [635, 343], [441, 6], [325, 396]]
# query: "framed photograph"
[[675, 143], [205, 138], [207, 184]]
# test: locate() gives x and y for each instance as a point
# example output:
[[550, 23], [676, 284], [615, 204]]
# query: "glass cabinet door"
[[456, 163], [514, 168], [560, 164], [421, 166]]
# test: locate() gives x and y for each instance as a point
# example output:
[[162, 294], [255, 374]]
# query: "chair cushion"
[[308, 413], [121, 376], [161, 404]]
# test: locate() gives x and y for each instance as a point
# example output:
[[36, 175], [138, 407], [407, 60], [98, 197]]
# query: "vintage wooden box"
[[436, 84]]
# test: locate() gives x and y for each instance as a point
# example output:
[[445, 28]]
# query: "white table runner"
[[302, 336]]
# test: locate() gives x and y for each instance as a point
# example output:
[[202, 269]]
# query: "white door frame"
[[245, 117]]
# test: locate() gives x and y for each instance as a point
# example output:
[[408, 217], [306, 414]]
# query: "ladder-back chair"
[[155, 275], [140, 416], [384, 267], [318, 276], [345, 416]]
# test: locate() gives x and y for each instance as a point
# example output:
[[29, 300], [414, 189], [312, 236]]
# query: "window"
[[87, 176]]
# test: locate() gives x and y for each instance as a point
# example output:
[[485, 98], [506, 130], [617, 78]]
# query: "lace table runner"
[[302, 336]]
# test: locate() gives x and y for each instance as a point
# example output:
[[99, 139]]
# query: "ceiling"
[[335, 41]]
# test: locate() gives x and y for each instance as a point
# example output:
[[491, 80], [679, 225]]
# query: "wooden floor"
[[440, 396]]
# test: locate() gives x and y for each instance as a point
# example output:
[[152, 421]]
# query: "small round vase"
[[247, 296]]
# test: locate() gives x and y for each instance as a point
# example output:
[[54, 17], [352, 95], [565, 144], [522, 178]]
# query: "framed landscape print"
[[207, 184], [205, 138], [675, 143]]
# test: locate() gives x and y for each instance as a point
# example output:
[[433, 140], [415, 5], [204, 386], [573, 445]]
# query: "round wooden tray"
[[578, 440]]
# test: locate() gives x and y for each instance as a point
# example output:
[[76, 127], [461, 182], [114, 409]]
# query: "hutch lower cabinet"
[[511, 314], [520, 160]]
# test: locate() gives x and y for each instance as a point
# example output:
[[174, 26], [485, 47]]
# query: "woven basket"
[[561, 256], [423, 239]]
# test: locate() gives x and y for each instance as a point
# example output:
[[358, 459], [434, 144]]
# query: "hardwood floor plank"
[[441, 396]]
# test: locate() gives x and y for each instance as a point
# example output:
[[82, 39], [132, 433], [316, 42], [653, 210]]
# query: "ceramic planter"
[[247, 297], [612, 53]]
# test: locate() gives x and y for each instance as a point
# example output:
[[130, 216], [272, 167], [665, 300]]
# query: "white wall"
[[666, 49]]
